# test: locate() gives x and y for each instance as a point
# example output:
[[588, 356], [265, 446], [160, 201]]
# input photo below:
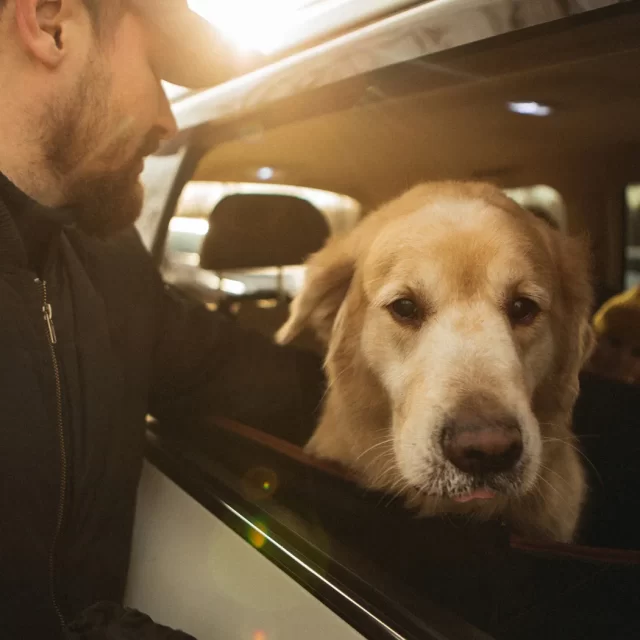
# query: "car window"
[[548, 115], [543, 200], [191, 223], [632, 255]]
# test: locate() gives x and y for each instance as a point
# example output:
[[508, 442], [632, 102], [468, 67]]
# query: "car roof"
[[427, 28]]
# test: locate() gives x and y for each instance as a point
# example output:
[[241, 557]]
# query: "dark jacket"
[[110, 621], [88, 349]]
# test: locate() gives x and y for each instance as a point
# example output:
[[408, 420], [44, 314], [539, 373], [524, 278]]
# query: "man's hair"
[[104, 13]]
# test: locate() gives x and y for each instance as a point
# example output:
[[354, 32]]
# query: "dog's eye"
[[523, 311], [404, 310]]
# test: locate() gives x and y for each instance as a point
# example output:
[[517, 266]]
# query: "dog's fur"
[[462, 250]]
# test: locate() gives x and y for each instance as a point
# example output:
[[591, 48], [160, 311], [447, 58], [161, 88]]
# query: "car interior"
[[551, 114]]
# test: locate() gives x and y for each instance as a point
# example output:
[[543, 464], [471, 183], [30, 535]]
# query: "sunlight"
[[255, 24]]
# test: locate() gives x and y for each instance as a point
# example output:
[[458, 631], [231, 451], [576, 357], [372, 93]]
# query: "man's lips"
[[477, 494]]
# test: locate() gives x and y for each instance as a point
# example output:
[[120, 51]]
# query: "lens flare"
[[260, 484], [256, 538]]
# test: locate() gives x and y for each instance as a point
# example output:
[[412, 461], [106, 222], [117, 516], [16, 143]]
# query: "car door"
[[238, 533]]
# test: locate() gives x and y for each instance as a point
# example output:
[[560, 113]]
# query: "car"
[[240, 534]]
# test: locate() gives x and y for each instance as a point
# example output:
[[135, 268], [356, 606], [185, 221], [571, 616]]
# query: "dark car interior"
[[440, 117], [256, 231]]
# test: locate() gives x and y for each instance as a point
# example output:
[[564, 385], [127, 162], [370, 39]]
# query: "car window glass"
[[550, 117], [632, 266], [190, 225]]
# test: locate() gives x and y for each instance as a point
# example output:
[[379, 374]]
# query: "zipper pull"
[[48, 318], [47, 312]]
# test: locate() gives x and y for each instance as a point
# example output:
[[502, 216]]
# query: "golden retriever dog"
[[456, 324]]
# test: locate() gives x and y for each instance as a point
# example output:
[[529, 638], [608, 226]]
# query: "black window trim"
[[371, 613]]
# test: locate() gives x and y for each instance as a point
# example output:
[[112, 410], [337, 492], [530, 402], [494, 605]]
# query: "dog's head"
[[460, 320]]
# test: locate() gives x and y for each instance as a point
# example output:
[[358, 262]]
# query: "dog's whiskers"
[[378, 444], [404, 486], [389, 467], [381, 455], [569, 443], [556, 492], [337, 377], [573, 437], [555, 473]]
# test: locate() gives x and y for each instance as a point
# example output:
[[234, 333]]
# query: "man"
[[91, 341]]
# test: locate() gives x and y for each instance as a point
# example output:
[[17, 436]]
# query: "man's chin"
[[104, 207]]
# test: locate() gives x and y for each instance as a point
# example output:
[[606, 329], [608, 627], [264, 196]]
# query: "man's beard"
[[103, 201], [103, 204]]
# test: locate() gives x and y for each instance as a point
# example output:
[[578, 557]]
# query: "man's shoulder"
[[120, 262], [125, 246]]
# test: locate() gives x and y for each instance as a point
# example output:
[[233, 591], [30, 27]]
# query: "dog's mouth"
[[477, 494], [479, 489]]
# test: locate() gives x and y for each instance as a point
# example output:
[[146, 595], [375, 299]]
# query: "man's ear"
[[329, 274], [42, 26]]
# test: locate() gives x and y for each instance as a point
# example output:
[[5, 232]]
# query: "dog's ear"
[[574, 264], [575, 261], [570, 321], [327, 280]]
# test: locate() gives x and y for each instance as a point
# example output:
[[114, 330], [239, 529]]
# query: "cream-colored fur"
[[462, 251]]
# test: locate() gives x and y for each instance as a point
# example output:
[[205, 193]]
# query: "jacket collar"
[[21, 220], [12, 250]]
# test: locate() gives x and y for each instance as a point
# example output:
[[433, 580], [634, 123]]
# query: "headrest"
[[261, 230]]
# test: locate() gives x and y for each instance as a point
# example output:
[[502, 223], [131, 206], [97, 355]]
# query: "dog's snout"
[[480, 445], [483, 450]]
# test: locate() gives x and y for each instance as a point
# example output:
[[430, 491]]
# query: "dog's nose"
[[481, 448]]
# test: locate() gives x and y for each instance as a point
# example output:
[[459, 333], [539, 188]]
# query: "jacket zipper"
[[47, 312]]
